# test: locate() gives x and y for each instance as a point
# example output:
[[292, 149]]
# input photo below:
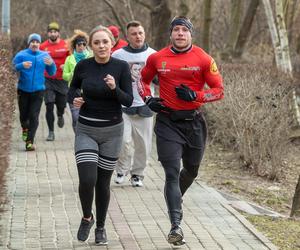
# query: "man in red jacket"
[[119, 43], [56, 87], [183, 69]]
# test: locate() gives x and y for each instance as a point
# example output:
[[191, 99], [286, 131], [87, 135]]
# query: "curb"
[[241, 218]]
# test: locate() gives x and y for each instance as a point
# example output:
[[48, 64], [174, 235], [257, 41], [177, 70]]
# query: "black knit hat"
[[182, 20], [79, 39]]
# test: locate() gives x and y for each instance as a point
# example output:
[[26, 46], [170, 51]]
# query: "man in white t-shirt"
[[138, 119]]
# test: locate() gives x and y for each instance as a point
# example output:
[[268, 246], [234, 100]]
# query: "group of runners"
[[111, 87]]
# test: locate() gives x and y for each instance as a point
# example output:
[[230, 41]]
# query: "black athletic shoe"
[[100, 236], [84, 229], [60, 121], [51, 136], [175, 236]]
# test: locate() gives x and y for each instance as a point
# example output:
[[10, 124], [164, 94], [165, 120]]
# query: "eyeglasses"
[[81, 43]]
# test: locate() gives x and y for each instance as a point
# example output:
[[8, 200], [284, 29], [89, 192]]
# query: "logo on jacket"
[[213, 68], [190, 68], [163, 67]]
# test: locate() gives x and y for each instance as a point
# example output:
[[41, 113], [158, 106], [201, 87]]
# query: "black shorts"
[[56, 91], [175, 138]]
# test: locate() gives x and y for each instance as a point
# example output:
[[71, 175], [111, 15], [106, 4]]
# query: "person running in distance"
[[31, 64], [79, 51], [56, 86], [119, 42]]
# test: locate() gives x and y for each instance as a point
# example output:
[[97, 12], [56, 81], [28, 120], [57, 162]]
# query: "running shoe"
[[84, 229], [24, 134], [136, 181], [100, 236], [29, 146], [175, 236], [51, 136], [60, 121], [119, 178]]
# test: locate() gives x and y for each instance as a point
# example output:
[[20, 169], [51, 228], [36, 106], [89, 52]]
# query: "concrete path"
[[43, 209]]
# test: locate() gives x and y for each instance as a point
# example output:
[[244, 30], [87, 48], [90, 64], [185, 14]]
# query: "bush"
[[7, 106], [255, 117]]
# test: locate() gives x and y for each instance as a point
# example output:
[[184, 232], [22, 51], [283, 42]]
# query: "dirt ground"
[[222, 171]]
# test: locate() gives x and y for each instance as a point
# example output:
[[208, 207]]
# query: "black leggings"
[[91, 178], [176, 184], [30, 107], [176, 141], [60, 107]]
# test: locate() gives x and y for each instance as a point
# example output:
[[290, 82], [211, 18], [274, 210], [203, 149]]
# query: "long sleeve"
[[68, 71], [214, 81], [147, 75], [51, 69], [18, 62], [75, 86], [124, 92]]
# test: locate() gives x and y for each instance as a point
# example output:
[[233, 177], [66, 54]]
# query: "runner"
[[138, 120], [106, 85], [31, 64], [183, 70], [79, 51], [56, 87]]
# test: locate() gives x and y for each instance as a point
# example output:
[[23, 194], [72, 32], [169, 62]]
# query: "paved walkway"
[[43, 209]]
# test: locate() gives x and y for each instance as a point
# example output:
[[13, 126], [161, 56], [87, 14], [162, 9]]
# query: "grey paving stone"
[[43, 209]]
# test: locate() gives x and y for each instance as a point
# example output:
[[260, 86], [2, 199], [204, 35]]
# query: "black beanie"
[[181, 20]]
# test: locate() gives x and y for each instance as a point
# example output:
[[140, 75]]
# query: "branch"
[[143, 3], [115, 14]]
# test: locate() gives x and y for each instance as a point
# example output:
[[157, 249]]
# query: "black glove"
[[185, 93], [155, 104]]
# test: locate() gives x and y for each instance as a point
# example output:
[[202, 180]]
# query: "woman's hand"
[[110, 81], [77, 102]]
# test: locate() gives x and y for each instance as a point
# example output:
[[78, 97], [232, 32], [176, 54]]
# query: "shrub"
[[255, 117], [7, 106]]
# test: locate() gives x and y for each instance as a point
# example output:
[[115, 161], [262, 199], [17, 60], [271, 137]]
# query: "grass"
[[284, 233]]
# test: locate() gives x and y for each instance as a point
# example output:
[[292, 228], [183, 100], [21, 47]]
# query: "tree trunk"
[[160, 19], [290, 8], [283, 38], [235, 15], [295, 211], [245, 28], [274, 34], [206, 25]]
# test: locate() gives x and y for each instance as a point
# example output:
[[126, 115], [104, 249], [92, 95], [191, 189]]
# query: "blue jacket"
[[32, 79]]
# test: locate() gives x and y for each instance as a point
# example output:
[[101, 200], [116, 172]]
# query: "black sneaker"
[[51, 136], [175, 236], [100, 236], [84, 229], [60, 121]]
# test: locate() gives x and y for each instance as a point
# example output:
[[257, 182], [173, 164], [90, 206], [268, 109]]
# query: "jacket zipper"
[[32, 83]]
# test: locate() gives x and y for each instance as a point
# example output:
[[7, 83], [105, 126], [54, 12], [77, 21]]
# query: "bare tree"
[[245, 28], [235, 14], [206, 25], [121, 19], [160, 19], [295, 211]]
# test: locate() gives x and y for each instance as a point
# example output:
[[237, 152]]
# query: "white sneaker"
[[119, 179], [136, 181]]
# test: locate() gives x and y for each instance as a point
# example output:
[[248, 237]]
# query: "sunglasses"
[[81, 43]]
